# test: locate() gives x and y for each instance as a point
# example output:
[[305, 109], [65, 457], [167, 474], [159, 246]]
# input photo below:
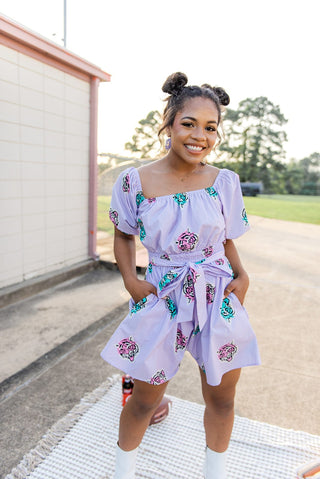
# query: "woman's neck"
[[180, 168]]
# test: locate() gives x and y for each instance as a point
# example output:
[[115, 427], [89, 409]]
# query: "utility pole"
[[65, 23]]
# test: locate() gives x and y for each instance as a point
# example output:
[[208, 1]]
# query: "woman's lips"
[[195, 148]]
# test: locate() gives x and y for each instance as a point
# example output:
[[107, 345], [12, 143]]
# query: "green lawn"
[[305, 209], [104, 223]]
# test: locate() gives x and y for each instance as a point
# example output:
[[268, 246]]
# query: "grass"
[[104, 223], [305, 209]]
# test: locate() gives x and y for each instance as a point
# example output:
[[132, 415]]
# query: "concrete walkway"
[[50, 343]]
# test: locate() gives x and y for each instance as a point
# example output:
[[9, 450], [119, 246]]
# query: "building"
[[48, 155]]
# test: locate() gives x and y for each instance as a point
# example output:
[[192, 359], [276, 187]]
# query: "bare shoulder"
[[157, 179], [150, 169], [213, 172]]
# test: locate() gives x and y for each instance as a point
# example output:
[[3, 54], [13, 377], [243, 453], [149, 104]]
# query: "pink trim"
[[19, 47], [17, 36], [93, 168]]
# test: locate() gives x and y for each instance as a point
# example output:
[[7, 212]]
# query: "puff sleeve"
[[233, 209], [123, 207]]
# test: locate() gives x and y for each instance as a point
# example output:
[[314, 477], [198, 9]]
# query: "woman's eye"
[[211, 128], [189, 125]]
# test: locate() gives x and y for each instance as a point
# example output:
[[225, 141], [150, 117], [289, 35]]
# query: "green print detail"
[[244, 217], [227, 311], [142, 230], [200, 261], [139, 305], [139, 198], [212, 192], [171, 307], [232, 273], [150, 265], [180, 198], [167, 279], [196, 331]]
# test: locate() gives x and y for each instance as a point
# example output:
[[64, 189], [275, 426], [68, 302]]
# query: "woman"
[[187, 214]]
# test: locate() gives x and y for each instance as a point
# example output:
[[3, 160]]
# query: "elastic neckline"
[[222, 170]]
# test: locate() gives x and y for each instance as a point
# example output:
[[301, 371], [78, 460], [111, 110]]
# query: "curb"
[[26, 289], [22, 378], [17, 292]]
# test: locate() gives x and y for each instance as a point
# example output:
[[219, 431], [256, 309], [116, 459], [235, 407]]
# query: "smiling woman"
[[187, 214], [175, 86]]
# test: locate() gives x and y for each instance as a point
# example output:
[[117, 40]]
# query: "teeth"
[[194, 148]]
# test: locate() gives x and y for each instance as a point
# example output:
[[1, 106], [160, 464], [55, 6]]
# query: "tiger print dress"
[[184, 234]]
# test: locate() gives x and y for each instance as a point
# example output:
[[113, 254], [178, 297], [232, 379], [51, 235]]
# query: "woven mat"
[[81, 445]]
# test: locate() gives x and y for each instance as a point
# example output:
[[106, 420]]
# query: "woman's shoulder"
[[150, 175], [128, 179], [226, 177], [149, 168]]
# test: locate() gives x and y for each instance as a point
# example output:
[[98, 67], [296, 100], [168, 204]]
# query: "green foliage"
[[102, 167], [145, 142], [254, 142], [302, 177]]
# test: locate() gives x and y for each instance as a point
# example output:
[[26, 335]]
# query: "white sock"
[[215, 465], [125, 463]]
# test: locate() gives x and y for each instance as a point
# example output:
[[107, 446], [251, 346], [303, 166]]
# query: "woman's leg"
[[137, 412], [219, 411]]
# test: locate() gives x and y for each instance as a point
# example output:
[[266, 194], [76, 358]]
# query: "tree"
[[145, 142], [293, 177], [255, 142], [302, 177]]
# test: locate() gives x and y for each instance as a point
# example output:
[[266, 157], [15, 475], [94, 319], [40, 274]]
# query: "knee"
[[221, 407], [142, 407]]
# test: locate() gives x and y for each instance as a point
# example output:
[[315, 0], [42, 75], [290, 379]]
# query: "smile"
[[194, 148]]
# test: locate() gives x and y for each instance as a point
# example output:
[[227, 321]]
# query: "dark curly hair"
[[175, 85]]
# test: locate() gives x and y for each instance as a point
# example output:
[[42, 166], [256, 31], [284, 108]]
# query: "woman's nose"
[[198, 133]]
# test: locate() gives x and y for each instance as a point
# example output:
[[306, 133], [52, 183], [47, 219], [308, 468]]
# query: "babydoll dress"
[[184, 234]]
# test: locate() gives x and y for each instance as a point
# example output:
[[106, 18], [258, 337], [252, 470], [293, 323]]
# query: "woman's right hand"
[[139, 288]]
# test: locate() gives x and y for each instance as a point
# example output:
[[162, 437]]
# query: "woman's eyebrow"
[[194, 119], [189, 118]]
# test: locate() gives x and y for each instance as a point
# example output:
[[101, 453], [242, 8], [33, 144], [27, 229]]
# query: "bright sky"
[[250, 47]]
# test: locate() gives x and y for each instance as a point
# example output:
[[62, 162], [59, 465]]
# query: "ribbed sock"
[[215, 465], [125, 463]]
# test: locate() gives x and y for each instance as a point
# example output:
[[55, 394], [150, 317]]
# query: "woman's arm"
[[240, 283], [125, 254]]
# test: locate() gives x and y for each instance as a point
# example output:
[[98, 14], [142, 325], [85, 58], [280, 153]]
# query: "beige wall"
[[44, 167]]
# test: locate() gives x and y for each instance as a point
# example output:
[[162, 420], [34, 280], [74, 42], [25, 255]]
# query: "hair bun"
[[174, 83], [223, 96]]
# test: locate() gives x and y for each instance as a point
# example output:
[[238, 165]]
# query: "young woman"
[[187, 214]]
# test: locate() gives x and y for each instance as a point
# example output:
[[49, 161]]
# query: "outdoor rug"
[[82, 444]]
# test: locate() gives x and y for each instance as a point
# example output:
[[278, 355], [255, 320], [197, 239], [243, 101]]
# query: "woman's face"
[[194, 130]]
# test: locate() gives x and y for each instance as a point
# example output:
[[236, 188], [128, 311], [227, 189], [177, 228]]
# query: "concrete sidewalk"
[[50, 343]]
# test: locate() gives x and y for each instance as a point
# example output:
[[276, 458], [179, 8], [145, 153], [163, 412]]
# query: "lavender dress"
[[184, 234]]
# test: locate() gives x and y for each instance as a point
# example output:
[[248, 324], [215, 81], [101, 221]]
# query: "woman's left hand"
[[238, 286]]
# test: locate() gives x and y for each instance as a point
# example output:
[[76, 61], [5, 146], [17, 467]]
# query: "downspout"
[[93, 169]]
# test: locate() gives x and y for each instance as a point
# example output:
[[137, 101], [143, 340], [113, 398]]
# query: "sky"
[[249, 47]]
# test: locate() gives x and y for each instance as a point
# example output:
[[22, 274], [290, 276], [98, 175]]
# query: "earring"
[[168, 144], [204, 161]]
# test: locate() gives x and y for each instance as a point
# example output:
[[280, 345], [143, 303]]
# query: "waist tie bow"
[[189, 278]]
